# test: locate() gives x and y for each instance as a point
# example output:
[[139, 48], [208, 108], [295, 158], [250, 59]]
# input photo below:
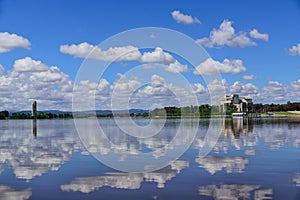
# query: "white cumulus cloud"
[[158, 56], [247, 89], [125, 85], [211, 67], [199, 88], [217, 89], [257, 35], [296, 85], [33, 80], [248, 77], [295, 92], [1, 70], [158, 91], [29, 65], [275, 91], [9, 42], [295, 50], [52, 75], [113, 54], [183, 18], [226, 35], [177, 67], [85, 50], [158, 80]]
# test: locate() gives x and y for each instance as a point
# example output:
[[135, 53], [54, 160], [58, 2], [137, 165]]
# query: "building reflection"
[[1, 168], [236, 126], [34, 127], [245, 133], [126, 180], [235, 191]]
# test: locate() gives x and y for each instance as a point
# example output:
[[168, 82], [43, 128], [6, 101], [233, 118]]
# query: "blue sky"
[[263, 56]]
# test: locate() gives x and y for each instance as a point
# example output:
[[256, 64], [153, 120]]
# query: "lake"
[[191, 158]]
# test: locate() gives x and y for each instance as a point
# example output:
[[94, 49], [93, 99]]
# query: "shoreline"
[[174, 117]]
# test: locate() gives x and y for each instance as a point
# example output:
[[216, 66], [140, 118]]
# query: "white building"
[[241, 103]]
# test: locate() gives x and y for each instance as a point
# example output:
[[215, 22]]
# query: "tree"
[[215, 109], [231, 109], [205, 110], [4, 114]]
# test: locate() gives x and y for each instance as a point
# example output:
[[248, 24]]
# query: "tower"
[[33, 109]]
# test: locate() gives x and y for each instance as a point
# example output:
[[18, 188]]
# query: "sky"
[[61, 52]]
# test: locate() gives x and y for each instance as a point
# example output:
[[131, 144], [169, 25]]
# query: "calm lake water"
[[249, 159]]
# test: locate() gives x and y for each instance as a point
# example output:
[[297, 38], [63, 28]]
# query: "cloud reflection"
[[296, 179], [57, 140], [213, 164], [7, 193], [246, 133], [31, 156], [126, 180], [235, 191]]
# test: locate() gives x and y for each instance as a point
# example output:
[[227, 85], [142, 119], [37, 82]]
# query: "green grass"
[[283, 113]]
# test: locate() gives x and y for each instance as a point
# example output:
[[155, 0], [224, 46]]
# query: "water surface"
[[252, 159]]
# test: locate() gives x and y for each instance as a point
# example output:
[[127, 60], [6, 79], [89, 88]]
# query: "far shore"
[[289, 114]]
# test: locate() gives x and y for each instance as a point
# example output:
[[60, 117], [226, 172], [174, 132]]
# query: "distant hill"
[[110, 112], [44, 111], [89, 113]]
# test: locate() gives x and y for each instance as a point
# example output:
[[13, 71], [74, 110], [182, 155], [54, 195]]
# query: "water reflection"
[[236, 191], [296, 179], [1, 168], [243, 148], [7, 193], [236, 126], [34, 128], [243, 133], [29, 156], [126, 180], [233, 132], [250, 152], [124, 152], [213, 164]]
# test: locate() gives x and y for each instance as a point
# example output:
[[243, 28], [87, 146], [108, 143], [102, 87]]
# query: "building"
[[241, 103], [33, 109]]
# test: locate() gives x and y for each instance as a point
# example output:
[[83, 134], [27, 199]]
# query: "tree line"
[[203, 110], [208, 110], [274, 107], [40, 115]]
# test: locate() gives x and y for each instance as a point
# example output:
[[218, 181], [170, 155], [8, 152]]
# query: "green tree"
[[215, 109], [4, 114], [231, 109]]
